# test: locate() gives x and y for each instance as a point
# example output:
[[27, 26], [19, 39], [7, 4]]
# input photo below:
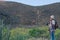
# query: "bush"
[[57, 34], [37, 32], [18, 34], [5, 33]]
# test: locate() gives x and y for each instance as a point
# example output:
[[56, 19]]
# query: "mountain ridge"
[[17, 13]]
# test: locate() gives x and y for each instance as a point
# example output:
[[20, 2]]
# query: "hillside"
[[14, 13]]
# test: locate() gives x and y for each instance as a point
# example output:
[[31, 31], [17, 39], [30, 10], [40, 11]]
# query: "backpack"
[[56, 25]]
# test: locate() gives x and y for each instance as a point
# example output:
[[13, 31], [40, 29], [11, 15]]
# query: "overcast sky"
[[36, 2]]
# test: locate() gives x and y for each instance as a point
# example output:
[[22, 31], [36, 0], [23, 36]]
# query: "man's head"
[[52, 17]]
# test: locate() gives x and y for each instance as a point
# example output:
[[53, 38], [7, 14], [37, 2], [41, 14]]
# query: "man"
[[52, 26]]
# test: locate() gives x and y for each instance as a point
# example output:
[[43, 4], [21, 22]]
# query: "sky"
[[35, 2], [1, 0]]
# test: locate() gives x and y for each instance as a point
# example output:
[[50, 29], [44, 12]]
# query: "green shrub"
[[37, 32], [18, 34], [57, 34], [5, 33]]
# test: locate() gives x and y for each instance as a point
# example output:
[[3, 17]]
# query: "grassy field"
[[32, 33]]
